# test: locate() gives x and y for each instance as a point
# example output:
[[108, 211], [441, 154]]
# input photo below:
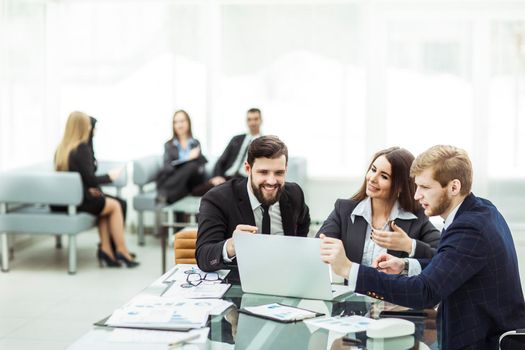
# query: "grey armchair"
[[25, 196]]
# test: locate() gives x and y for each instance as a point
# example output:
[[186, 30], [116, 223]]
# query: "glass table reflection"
[[250, 332]]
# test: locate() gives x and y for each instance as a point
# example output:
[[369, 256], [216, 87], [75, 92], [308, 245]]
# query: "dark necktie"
[[265, 220]]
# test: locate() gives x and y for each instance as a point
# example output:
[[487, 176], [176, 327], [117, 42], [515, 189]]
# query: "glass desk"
[[234, 330], [245, 331]]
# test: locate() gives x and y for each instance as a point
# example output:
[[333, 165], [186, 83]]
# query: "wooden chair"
[[185, 246]]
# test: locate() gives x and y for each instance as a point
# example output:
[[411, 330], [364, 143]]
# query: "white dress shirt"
[[276, 223], [371, 250]]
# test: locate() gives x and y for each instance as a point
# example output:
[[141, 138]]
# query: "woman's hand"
[[397, 239], [115, 173], [195, 153], [217, 180]]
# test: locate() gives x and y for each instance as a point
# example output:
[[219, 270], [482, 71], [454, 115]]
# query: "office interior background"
[[336, 80]]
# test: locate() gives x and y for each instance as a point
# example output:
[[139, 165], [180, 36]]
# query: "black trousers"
[[179, 182]]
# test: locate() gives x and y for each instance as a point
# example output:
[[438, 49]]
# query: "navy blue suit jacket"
[[474, 275]]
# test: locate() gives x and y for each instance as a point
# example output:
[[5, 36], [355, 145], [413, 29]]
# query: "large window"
[[337, 80], [506, 151], [131, 65], [429, 87], [301, 64], [23, 130]]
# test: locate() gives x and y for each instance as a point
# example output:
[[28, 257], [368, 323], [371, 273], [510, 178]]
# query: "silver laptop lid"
[[282, 265]]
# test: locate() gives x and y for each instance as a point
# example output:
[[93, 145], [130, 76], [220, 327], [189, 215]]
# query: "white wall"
[[337, 80]]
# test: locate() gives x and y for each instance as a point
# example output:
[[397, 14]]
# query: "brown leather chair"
[[185, 246]]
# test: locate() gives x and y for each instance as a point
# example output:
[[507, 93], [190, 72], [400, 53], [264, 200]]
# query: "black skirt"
[[93, 205]]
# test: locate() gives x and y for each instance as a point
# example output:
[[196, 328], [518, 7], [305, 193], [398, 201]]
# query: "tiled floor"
[[42, 307]]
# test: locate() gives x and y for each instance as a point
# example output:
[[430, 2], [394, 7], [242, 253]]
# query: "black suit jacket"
[[339, 225], [229, 155], [228, 205], [171, 153]]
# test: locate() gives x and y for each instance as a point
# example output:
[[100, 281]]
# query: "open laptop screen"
[[282, 265]]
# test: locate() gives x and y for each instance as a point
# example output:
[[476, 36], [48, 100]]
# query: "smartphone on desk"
[[403, 313]]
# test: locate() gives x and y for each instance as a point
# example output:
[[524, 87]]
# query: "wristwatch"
[[405, 269]]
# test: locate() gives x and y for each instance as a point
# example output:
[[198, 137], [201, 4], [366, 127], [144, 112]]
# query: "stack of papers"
[[148, 312], [179, 315]]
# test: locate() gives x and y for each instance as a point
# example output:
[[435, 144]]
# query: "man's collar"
[[452, 215], [254, 202]]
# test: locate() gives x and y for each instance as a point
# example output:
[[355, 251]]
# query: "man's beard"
[[257, 191], [444, 204]]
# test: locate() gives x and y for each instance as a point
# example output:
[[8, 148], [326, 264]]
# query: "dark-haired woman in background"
[[383, 215], [183, 168]]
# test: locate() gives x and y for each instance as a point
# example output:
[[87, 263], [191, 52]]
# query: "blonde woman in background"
[[75, 153]]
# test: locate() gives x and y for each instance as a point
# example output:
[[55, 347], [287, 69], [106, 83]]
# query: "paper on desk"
[[280, 312], [346, 324], [124, 335], [203, 290], [180, 272], [217, 306]]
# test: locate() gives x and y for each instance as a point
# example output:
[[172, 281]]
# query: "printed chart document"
[[203, 290], [344, 324], [149, 312], [280, 312]]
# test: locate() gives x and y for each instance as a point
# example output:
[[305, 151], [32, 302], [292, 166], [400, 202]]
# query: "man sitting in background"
[[231, 162]]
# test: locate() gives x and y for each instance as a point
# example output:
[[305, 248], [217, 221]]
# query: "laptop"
[[285, 266]]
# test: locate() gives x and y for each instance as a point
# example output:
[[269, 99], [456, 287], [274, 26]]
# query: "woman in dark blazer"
[[183, 168], [75, 153], [383, 215]]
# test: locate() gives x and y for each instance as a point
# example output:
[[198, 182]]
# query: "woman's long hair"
[[78, 128], [403, 186], [187, 116]]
